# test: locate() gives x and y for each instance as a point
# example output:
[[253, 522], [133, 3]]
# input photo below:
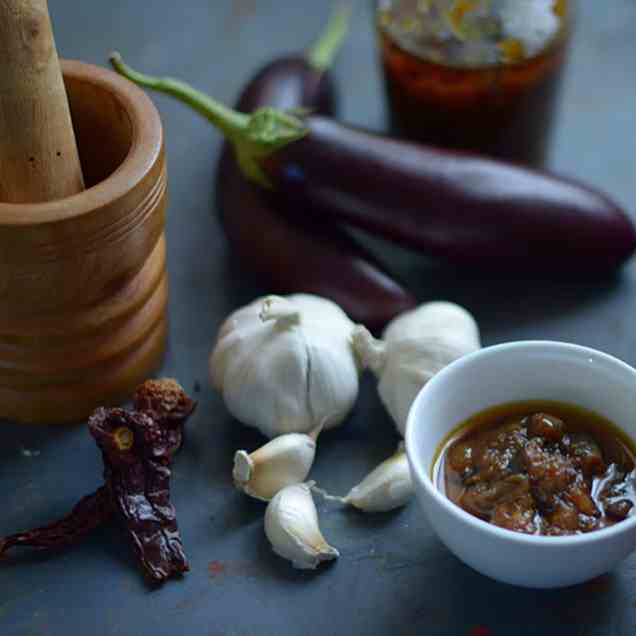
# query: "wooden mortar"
[[83, 286]]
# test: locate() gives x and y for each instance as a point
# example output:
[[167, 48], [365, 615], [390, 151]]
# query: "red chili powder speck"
[[215, 568]]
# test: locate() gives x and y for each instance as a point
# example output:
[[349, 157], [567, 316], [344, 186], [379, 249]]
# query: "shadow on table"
[[510, 300], [451, 598], [275, 567], [23, 441], [496, 298]]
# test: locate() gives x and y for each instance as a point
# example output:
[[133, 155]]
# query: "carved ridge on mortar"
[[94, 318], [85, 352], [108, 384], [117, 231]]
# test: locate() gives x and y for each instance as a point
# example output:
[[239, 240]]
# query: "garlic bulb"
[[291, 525], [286, 365], [283, 461], [415, 346], [385, 488]]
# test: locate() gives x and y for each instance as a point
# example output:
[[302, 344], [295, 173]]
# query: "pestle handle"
[[39, 160]]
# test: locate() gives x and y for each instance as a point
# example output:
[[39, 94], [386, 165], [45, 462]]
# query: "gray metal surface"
[[394, 576]]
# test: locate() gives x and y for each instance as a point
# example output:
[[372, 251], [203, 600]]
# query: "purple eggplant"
[[304, 254], [462, 208], [466, 209], [292, 253], [288, 83]]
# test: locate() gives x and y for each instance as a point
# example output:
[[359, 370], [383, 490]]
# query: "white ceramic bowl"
[[513, 372]]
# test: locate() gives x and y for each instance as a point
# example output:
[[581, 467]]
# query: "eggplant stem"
[[323, 53], [254, 136], [225, 119]]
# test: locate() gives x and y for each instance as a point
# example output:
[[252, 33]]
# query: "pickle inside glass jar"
[[479, 75]]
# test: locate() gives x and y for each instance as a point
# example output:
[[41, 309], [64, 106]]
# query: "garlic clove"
[[291, 525], [283, 461], [385, 488]]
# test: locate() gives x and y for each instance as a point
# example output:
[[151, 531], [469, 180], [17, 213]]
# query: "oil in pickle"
[[539, 467]]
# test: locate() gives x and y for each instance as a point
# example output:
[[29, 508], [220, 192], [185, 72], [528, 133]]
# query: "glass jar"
[[479, 75]]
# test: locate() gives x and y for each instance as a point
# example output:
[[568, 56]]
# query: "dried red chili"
[[137, 449], [165, 401], [90, 512], [137, 452]]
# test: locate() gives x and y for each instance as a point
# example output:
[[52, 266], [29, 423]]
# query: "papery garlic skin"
[[291, 525], [387, 487], [286, 364], [415, 346], [439, 320], [283, 461]]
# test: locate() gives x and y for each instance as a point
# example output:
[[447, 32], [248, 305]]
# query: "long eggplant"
[[288, 253], [304, 254], [466, 209], [463, 208]]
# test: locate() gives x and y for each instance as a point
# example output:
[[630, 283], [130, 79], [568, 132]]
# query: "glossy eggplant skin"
[[287, 83], [293, 251], [465, 209]]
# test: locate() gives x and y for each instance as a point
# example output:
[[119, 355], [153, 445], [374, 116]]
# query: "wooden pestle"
[[39, 160]]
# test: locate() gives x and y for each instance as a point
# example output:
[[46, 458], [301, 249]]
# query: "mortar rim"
[[145, 150]]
